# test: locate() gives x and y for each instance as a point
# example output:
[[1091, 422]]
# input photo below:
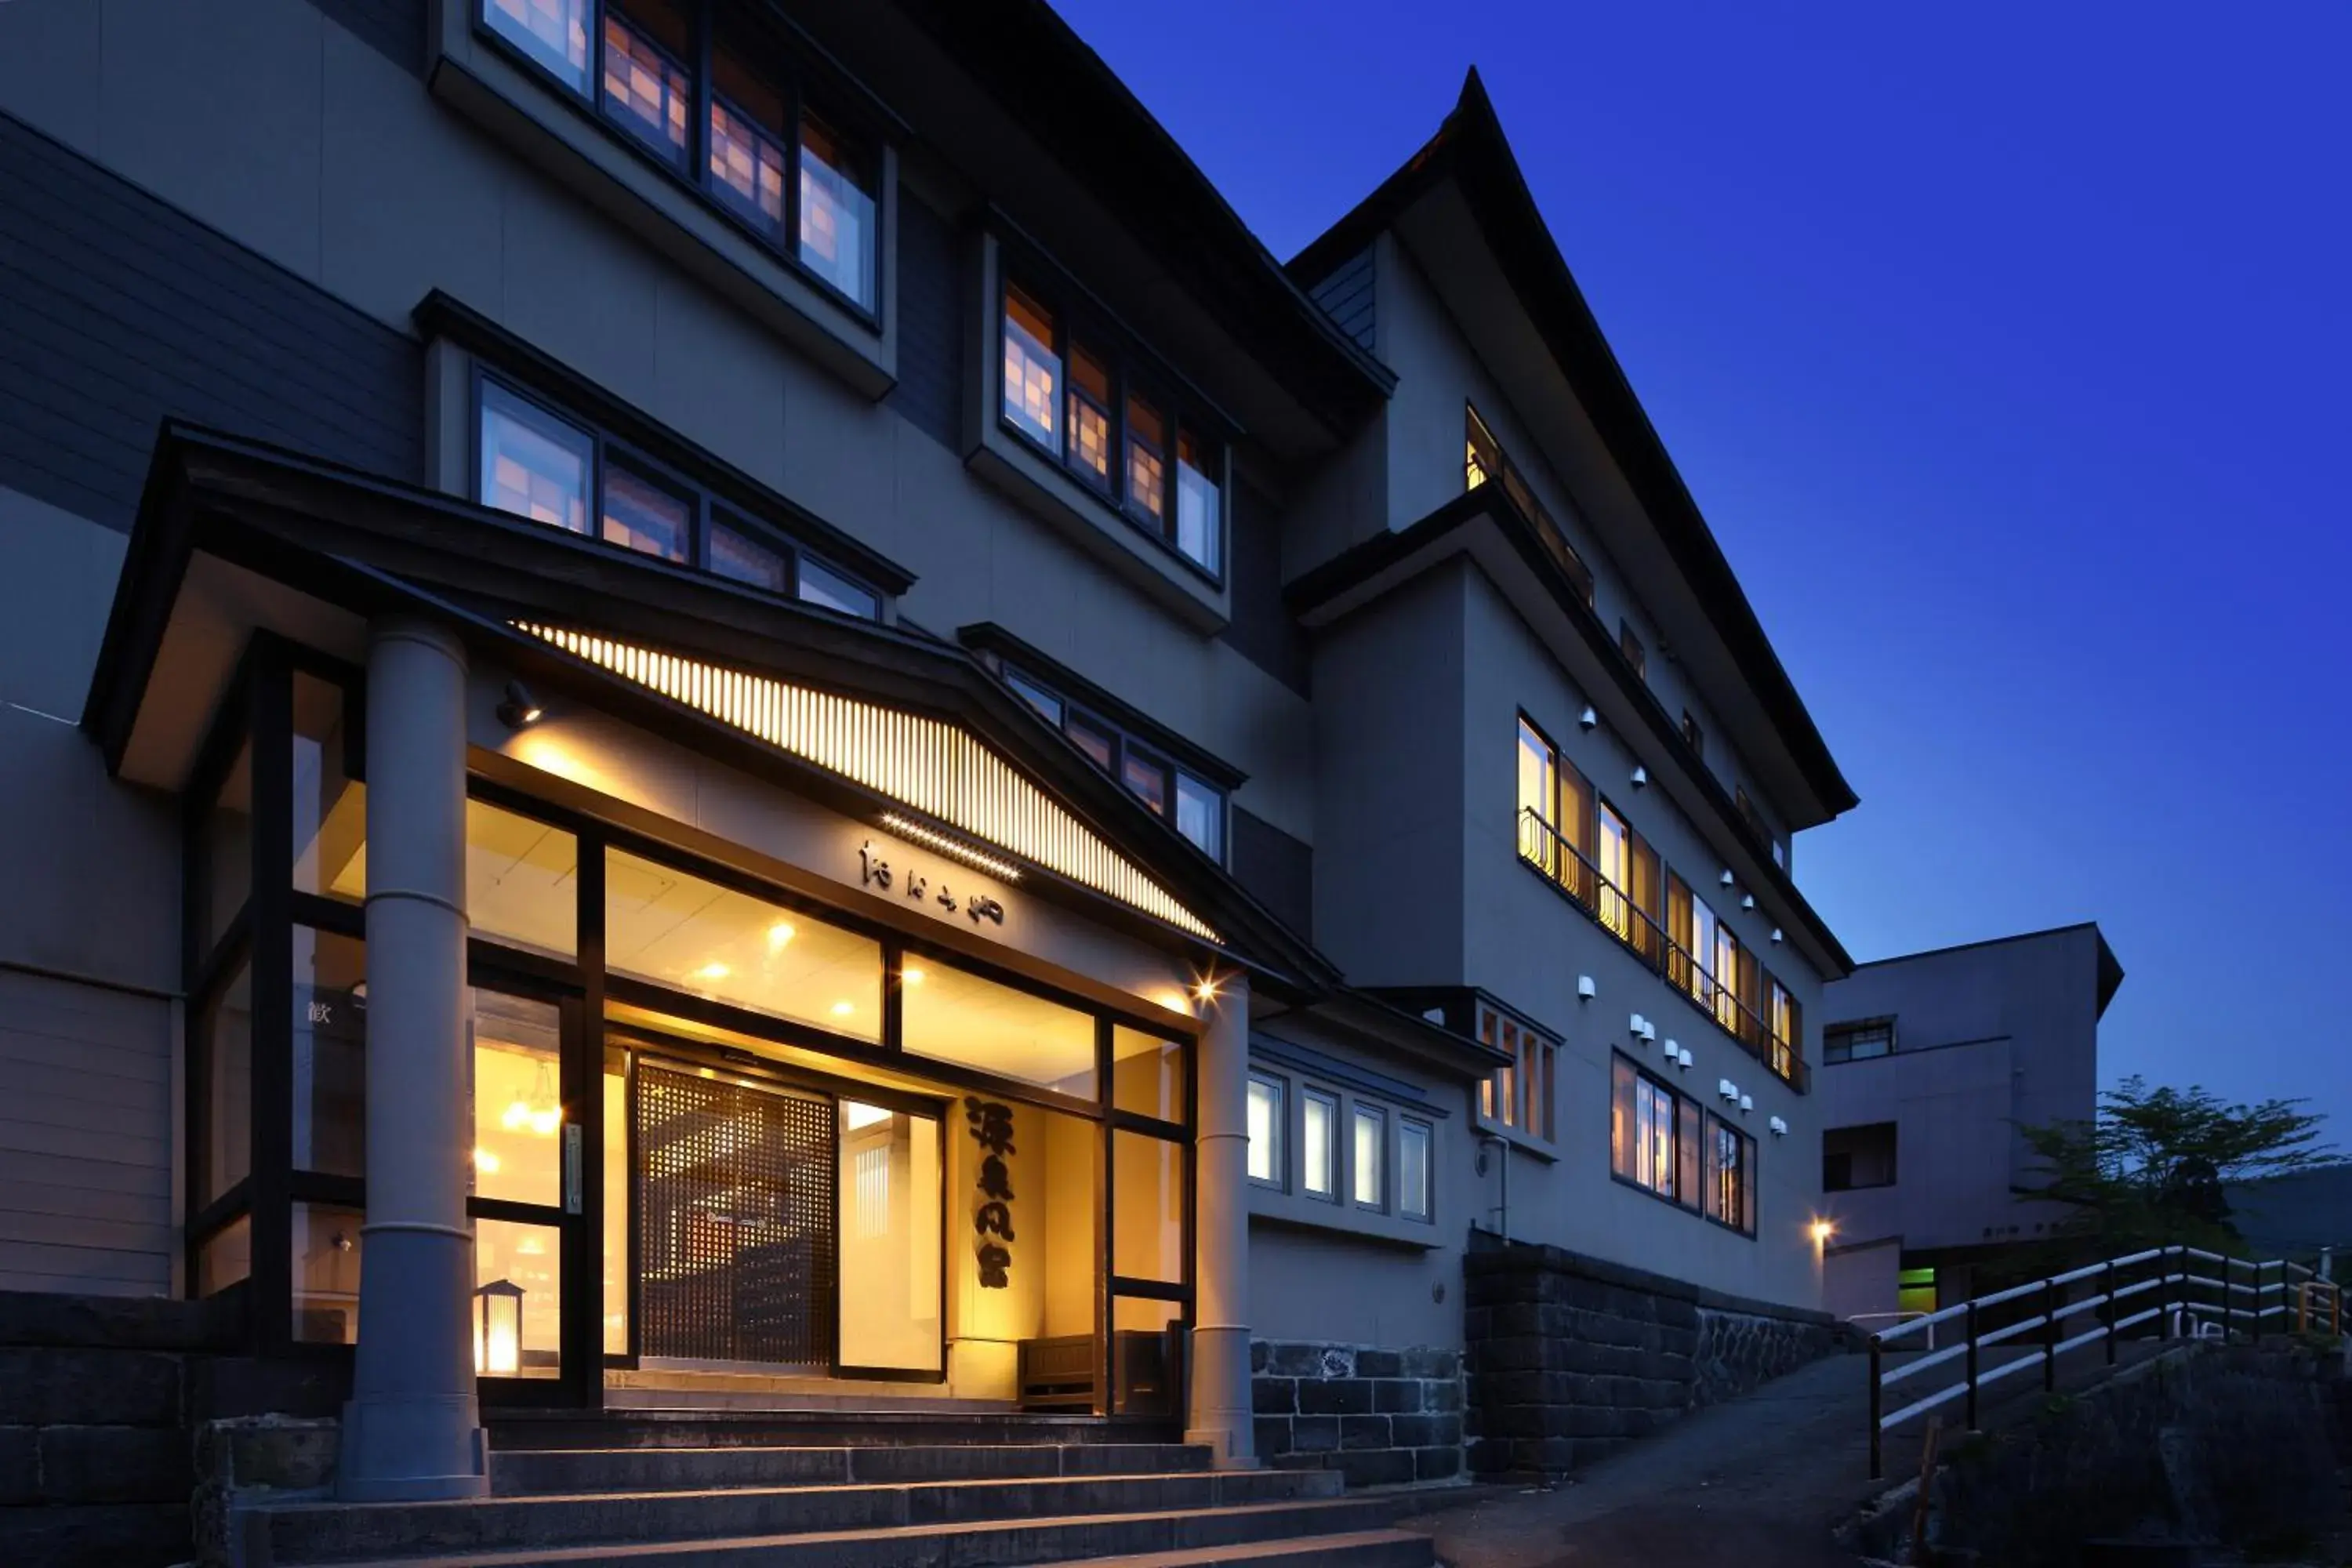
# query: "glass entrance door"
[[736, 1197]]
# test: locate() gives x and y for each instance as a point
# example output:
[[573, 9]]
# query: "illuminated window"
[[1267, 1122], [748, 156], [1412, 1168], [1644, 1129], [1318, 1151], [1032, 369], [534, 465], [646, 517], [1369, 1158], [646, 90], [1195, 806], [957, 1017], [1485, 460], [1199, 531], [1730, 1175], [553, 33], [1147, 461], [1090, 406], [546, 468], [742, 559], [1518, 1096], [837, 226]]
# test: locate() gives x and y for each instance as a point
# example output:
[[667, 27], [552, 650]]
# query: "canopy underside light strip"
[[934, 768]]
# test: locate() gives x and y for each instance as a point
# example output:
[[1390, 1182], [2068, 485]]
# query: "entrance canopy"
[[884, 723]]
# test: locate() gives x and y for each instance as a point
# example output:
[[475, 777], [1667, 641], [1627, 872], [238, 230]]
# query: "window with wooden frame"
[[1485, 461], [1786, 1021], [1655, 1136], [554, 468], [1190, 804], [1519, 1095], [1730, 1175], [1858, 1041], [696, 90], [1105, 418]]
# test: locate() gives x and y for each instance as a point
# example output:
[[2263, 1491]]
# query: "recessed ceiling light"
[[712, 971], [779, 934], [844, 1009], [911, 977]]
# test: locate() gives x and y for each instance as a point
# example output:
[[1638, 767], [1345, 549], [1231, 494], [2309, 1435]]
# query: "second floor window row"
[[1190, 804], [536, 463], [1584, 846], [1066, 392], [691, 91]]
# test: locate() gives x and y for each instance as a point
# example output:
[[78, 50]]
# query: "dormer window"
[[1111, 427]]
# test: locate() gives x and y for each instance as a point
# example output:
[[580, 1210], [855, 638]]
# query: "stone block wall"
[[1570, 1358], [95, 1397], [1381, 1418]]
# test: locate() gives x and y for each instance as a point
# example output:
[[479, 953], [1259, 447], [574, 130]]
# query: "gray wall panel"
[[394, 28], [1262, 629], [124, 313], [930, 322], [1277, 870]]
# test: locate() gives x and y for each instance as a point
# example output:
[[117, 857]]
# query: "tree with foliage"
[[2149, 1170]]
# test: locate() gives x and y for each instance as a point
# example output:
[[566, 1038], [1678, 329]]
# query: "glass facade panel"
[[534, 465], [678, 931], [326, 1245], [1267, 1122], [1090, 405], [1146, 460], [1033, 371], [226, 1258], [329, 827], [748, 156], [1200, 816], [522, 875], [518, 1303], [553, 33], [1147, 780], [646, 517], [837, 225], [953, 1016], [1318, 1145], [888, 1192], [1146, 1229], [1370, 1158], [1147, 1074], [517, 1103], [228, 1025], [330, 1017]]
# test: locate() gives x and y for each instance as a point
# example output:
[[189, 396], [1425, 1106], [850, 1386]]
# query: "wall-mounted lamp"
[[1674, 1051], [1585, 989], [1641, 777], [1588, 719], [1725, 1087], [1780, 1128], [1649, 1030], [1684, 1056], [1638, 1025], [1822, 1231], [1747, 900], [1727, 878], [520, 709], [1205, 988], [1776, 934], [1746, 1103]]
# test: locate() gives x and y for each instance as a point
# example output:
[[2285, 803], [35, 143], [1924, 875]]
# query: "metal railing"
[[2185, 1304], [1615, 910]]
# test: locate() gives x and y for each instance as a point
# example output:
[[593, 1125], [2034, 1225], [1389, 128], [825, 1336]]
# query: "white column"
[[412, 1429], [1220, 1333]]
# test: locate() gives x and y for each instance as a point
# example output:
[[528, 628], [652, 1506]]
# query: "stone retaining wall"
[[1570, 1358], [1381, 1418]]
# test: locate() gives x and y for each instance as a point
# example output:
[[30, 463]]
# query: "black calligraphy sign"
[[990, 1125]]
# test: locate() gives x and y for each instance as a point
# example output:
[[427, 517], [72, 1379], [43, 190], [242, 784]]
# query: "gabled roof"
[[1471, 151], [339, 546]]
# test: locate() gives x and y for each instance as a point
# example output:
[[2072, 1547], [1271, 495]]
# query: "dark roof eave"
[[1045, 76], [1363, 561], [1471, 148]]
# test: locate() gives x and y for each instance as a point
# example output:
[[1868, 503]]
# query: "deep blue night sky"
[[2006, 348]]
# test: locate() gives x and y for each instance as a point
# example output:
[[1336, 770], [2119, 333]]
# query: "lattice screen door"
[[735, 1188]]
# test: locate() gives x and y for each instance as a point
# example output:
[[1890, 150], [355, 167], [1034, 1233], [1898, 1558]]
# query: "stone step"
[[1333, 1532], [522, 1472], [330, 1532]]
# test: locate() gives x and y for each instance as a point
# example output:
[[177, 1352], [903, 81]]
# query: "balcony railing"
[[1616, 912]]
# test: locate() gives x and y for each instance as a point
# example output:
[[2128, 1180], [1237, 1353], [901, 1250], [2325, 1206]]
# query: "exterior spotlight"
[[521, 710], [1822, 1231], [1205, 988], [1588, 719]]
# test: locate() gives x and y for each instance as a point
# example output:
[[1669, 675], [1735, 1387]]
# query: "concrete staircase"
[[1139, 1505]]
